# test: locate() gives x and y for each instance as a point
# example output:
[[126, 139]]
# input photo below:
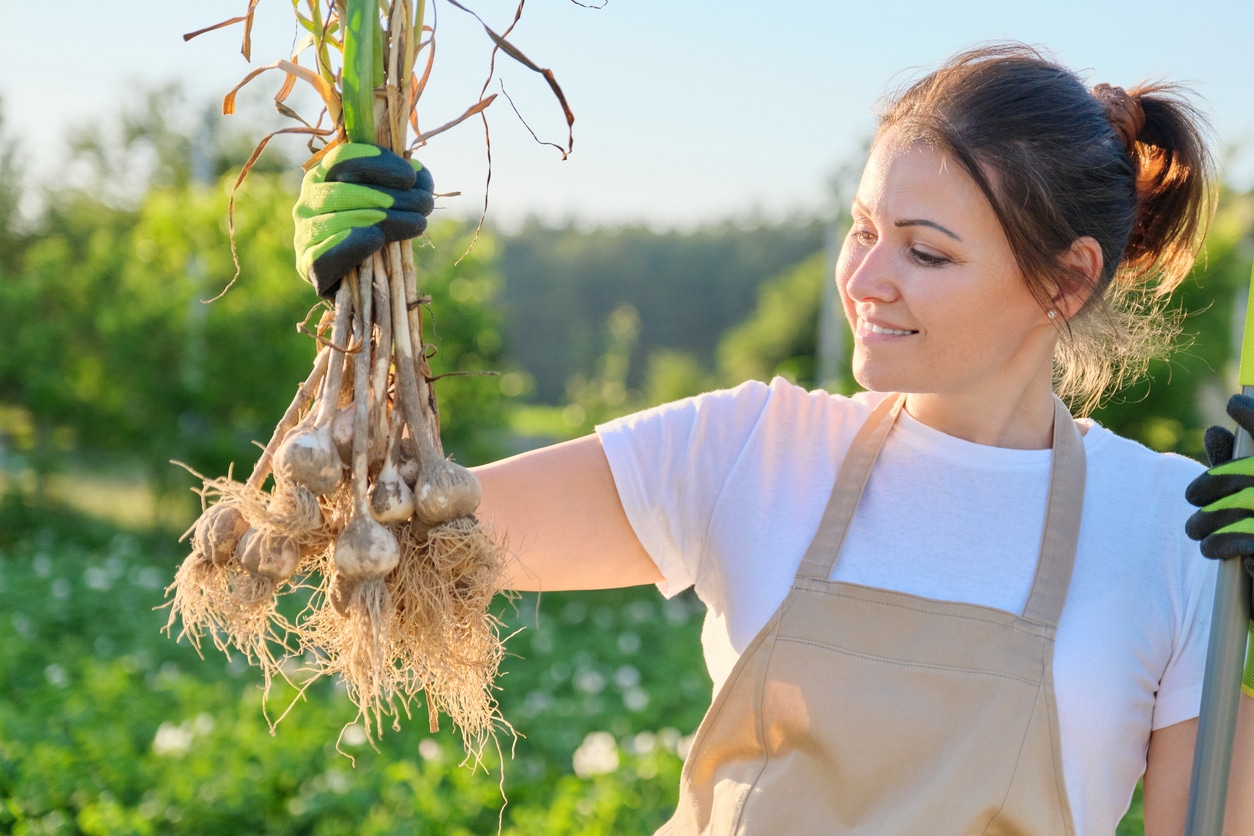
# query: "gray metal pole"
[[1221, 692], [1225, 658]]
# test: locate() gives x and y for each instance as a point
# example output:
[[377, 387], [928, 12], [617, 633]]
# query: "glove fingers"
[[314, 236], [345, 250], [1225, 545], [330, 267], [337, 198], [341, 200], [1241, 409], [1203, 524], [423, 179], [409, 200], [1216, 484], [1219, 443], [401, 226], [371, 166], [423, 201]]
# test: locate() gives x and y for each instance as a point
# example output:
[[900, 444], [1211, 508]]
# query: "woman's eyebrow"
[[922, 222]]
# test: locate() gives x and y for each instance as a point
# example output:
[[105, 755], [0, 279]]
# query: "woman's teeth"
[[876, 329]]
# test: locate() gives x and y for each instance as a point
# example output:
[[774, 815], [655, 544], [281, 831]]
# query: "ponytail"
[[1174, 173]]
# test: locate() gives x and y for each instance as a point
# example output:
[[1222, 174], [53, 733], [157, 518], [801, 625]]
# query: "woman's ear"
[[1083, 263]]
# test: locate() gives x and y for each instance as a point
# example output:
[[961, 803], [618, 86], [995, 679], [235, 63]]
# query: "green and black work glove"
[[1224, 495], [358, 198]]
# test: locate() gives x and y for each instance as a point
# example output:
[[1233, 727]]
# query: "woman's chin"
[[874, 378]]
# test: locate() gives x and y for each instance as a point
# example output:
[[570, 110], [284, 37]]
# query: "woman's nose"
[[867, 275]]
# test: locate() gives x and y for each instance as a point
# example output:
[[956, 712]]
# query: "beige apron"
[[861, 710]]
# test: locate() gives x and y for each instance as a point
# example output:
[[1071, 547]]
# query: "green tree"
[[562, 284], [12, 241], [780, 337]]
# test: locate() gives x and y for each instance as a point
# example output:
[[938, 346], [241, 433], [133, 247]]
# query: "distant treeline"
[[560, 285]]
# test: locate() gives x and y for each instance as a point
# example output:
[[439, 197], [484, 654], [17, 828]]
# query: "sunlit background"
[[686, 111]]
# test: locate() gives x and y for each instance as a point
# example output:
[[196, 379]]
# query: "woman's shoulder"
[[1133, 482], [782, 393], [755, 401], [1108, 447]]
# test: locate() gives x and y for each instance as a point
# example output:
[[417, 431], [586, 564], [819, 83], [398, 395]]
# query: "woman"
[[957, 609]]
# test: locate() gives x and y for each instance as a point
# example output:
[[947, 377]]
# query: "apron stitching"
[[1060, 780], [904, 664], [919, 609], [720, 701], [760, 733], [1018, 763]]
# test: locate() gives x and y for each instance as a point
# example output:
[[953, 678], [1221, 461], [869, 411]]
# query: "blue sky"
[[687, 111]]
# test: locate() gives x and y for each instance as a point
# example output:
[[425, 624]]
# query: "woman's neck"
[[1024, 421]]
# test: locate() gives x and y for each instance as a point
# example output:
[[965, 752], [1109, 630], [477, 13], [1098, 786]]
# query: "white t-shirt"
[[725, 492]]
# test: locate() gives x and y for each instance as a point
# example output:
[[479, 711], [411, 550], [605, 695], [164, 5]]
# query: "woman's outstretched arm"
[[564, 527]]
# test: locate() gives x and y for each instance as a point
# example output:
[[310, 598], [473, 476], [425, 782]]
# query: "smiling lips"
[[880, 329]]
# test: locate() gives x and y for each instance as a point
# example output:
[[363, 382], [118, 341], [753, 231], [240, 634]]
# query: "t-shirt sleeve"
[[670, 465], [1180, 690]]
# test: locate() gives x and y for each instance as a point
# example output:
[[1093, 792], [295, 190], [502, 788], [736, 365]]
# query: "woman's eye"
[[927, 259], [863, 236]]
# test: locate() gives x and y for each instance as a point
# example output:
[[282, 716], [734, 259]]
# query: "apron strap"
[[1064, 506], [1063, 510], [847, 492]]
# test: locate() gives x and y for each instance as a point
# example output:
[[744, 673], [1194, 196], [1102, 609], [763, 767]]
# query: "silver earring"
[[1052, 314]]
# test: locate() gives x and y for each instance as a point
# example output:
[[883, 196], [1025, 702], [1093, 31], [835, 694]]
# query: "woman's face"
[[930, 286]]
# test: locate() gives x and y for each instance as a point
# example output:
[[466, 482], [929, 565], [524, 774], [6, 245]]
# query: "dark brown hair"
[[1054, 169]]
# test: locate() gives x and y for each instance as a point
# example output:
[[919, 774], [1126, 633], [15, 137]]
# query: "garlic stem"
[[307, 455], [364, 549], [406, 379], [444, 491], [402, 259], [383, 352], [339, 339], [361, 384]]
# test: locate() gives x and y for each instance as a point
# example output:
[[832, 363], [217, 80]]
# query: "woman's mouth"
[[880, 329]]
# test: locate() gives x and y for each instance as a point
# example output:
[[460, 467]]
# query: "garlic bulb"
[[308, 457], [365, 549], [342, 434], [391, 500], [218, 532], [444, 491], [268, 554]]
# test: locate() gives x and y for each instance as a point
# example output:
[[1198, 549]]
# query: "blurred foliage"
[[563, 284], [779, 336], [11, 238], [109, 728]]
